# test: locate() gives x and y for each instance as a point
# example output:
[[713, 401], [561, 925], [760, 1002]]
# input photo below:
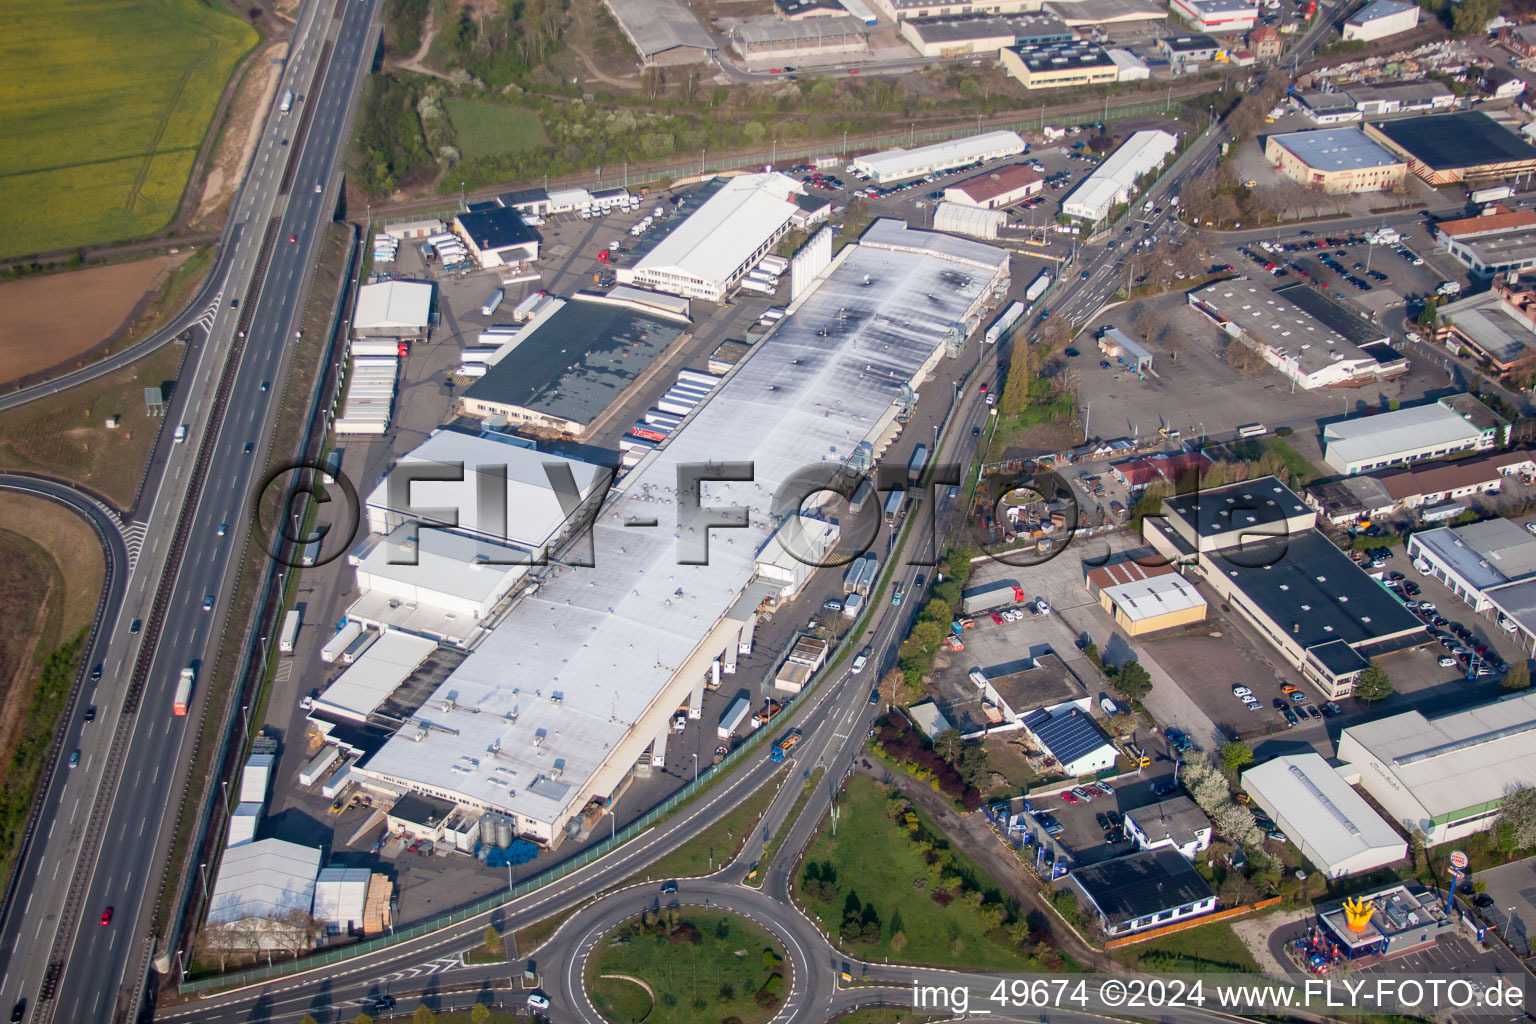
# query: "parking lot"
[[1348, 265], [1092, 829]]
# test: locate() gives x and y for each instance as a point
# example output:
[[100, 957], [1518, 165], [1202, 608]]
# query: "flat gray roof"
[[1336, 149], [1278, 322], [655, 26], [577, 362], [1490, 322]]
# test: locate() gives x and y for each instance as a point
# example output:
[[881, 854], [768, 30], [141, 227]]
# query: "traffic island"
[[677, 965]]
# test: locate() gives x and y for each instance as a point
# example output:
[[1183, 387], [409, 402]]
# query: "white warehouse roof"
[[1332, 824], [1155, 595], [340, 896], [436, 567], [534, 508], [579, 677], [1384, 435], [1436, 767], [393, 304], [264, 879], [1111, 182], [896, 164], [370, 679], [724, 233]]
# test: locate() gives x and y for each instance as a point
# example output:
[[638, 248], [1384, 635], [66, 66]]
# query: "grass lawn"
[[490, 129], [105, 104], [1213, 948], [65, 434], [717, 844], [699, 964], [1302, 472], [876, 861], [771, 850]]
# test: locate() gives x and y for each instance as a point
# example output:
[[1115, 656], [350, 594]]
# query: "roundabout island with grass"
[[687, 965]]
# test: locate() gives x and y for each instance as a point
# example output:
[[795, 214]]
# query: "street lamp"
[[695, 767], [202, 869]]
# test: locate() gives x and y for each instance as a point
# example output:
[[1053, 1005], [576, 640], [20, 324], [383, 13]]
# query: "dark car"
[[134, 626], [1311, 709], [90, 713], [874, 696], [1279, 704], [975, 431], [383, 1003], [1290, 716], [1165, 789], [96, 673], [667, 888], [1072, 353], [1482, 901], [1102, 820], [18, 1011]]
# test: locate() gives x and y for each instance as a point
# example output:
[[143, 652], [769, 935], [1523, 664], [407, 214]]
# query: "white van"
[[181, 434]]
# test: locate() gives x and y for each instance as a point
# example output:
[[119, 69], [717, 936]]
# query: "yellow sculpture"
[[1357, 914]]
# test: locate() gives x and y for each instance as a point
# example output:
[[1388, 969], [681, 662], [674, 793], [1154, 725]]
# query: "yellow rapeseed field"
[[104, 104]]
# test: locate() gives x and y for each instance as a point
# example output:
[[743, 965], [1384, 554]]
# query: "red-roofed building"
[[1265, 43], [1173, 469], [996, 189]]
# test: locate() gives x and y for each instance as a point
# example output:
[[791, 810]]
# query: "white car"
[[538, 1001], [1241, 691], [860, 661], [1427, 606], [1044, 605], [1446, 661]]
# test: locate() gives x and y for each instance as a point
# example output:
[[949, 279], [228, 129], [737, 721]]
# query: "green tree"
[[492, 939], [1021, 373], [307, 1019], [1374, 684], [1518, 677], [1429, 319], [362, 1018], [481, 1014], [927, 636], [423, 1015], [1471, 17], [1235, 755], [1133, 680], [899, 942], [948, 745]]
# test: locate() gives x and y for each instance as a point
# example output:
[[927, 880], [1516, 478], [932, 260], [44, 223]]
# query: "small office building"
[[1144, 890], [1059, 65], [1380, 19], [1335, 160]]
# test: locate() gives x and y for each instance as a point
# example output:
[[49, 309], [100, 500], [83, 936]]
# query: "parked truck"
[[345, 634], [1038, 286], [785, 744], [733, 717], [861, 496], [183, 692], [287, 103], [768, 713], [1003, 593], [493, 302], [894, 504], [356, 648], [916, 465], [744, 645], [1002, 324], [290, 633]]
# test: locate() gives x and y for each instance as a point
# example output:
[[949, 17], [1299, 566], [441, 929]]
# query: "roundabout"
[[680, 964], [714, 952]]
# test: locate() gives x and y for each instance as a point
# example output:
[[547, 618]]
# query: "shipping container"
[[290, 633], [894, 503], [374, 347], [748, 285], [525, 310], [916, 465], [709, 380], [853, 604], [1001, 594], [640, 445], [657, 418], [774, 264], [340, 642], [680, 406], [356, 648], [1001, 326], [493, 302], [733, 717], [319, 765], [861, 496], [428, 254], [1488, 195], [1038, 286], [472, 370], [477, 353], [309, 554]]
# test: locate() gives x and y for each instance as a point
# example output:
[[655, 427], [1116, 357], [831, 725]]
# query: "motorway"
[[125, 794]]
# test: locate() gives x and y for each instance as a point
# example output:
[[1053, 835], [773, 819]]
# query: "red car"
[[775, 71], [293, 238], [997, 618], [853, 71], [983, 389], [106, 916], [1069, 798]]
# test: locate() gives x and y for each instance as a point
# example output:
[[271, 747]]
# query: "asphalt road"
[[115, 859]]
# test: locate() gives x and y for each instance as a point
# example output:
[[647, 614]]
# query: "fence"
[[489, 903]]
